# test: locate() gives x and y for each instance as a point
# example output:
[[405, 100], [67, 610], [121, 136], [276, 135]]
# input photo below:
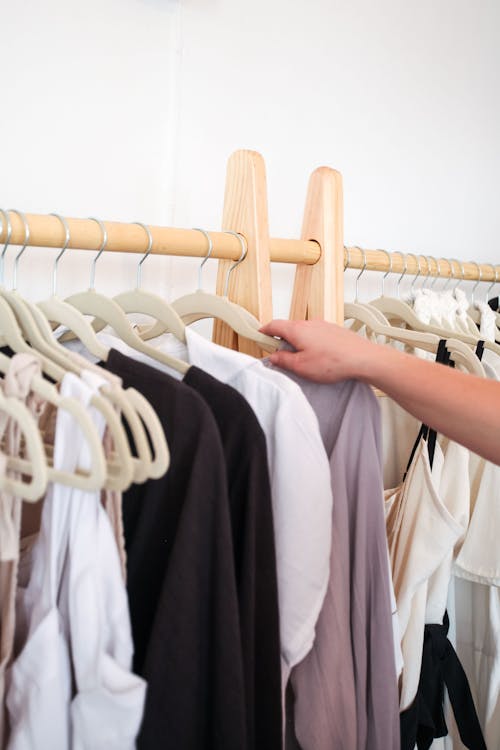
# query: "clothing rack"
[[319, 254]]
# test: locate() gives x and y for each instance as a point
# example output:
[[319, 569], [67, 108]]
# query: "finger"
[[285, 360], [281, 328]]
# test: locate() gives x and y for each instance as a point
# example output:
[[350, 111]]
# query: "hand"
[[325, 352]]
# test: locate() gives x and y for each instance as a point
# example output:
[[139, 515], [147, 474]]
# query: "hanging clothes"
[[16, 383], [180, 577], [346, 688], [71, 684], [299, 470], [426, 519], [252, 525]]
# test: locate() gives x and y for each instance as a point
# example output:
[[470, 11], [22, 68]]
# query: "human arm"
[[463, 407]]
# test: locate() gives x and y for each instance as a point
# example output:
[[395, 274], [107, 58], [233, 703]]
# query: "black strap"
[[480, 349], [425, 433], [424, 720]]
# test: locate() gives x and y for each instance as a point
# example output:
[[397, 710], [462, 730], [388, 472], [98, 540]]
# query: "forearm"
[[463, 407]]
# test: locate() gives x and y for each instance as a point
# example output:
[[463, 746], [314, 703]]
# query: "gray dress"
[[345, 689]]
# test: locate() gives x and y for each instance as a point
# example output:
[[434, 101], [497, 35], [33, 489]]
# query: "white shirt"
[[299, 473], [76, 614]]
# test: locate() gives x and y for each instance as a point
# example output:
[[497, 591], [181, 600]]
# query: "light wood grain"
[[318, 290], [47, 231], [245, 211]]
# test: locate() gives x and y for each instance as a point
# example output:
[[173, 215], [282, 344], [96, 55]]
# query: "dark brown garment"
[[245, 454], [181, 579]]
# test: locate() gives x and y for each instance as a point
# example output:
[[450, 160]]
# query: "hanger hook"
[[148, 250], [405, 264], [25, 245], [207, 256], [438, 269], [7, 241], [417, 259], [479, 279], [428, 268], [492, 283], [386, 274], [244, 250], [363, 253], [62, 251], [100, 251], [452, 274]]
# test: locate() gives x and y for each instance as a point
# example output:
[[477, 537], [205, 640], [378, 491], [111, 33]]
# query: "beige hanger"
[[418, 340], [140, 301], [364, 315], [36, 466], [96, 478], [45, 349], [201, 305], [57, 310], [396, 309], [106, 309]]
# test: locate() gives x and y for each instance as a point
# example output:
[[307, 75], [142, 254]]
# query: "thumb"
[[285, 359]]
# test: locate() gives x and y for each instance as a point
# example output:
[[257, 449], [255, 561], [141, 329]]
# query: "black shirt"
[[181, 578], [245, 454]]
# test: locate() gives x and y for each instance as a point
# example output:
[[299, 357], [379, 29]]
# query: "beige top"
[[426, 519], [16, 383]]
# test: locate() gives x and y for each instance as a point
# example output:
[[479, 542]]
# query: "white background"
[[129, 109]]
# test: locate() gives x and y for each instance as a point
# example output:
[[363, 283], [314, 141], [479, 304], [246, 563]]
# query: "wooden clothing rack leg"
[[318, 290], [245, 211]]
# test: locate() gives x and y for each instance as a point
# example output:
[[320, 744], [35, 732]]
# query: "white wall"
[[128, 109]]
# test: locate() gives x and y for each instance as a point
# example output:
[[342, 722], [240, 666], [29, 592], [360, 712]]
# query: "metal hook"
[[462, 271], [438, 274], [7, 242], [451, 276], [405, 262], [417, 258], [386, 274], [25, 245], [492, 283], [61, 253], [479, 279], [428, 267], [244, 250], [207, 256], [363, 252], [148, 250], [100, 251]]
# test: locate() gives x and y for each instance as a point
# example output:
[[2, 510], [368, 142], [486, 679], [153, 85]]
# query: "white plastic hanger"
[[201, 305], [107, 310]]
